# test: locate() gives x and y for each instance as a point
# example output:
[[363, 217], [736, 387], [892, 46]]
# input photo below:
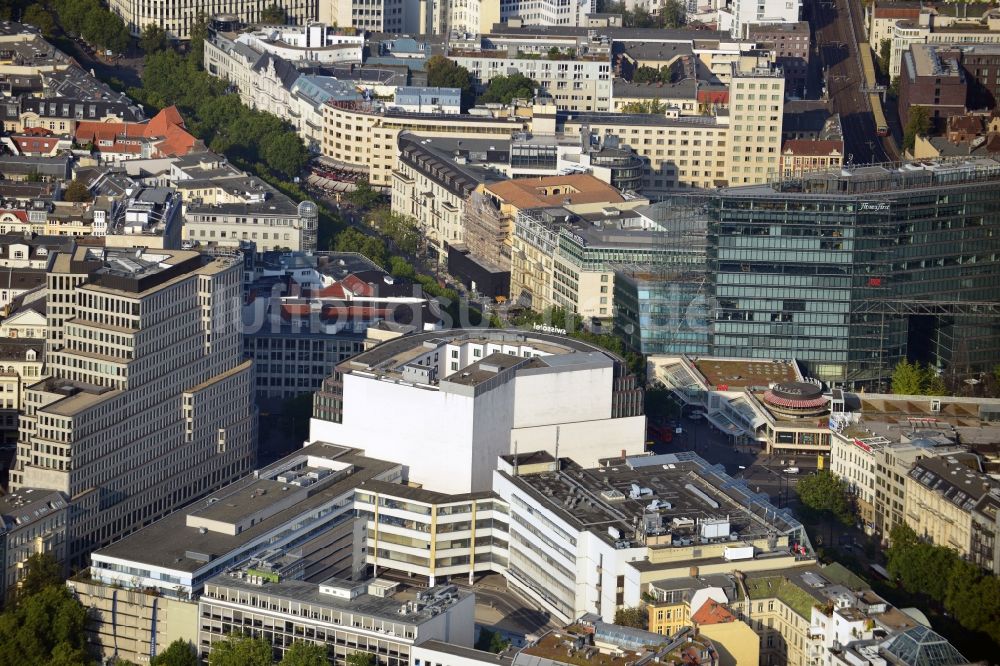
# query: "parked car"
[[791, 470]]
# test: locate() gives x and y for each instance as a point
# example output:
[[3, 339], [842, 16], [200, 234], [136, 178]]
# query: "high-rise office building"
[[148, 403], [831, 269], [848, 272]]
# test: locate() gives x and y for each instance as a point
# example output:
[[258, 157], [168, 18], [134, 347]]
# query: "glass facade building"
[[850, 271]]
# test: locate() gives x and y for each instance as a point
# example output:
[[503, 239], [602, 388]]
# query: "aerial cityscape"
[[500, 332]]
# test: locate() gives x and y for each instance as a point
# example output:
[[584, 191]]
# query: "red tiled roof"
[[29, 145], [176, 143], [712, 612], [357, 286], [167, 126], [88, 131], [713, 96], [897, 12], [19, 214], [37, 131], [333, 291], [165, 119], [805, 147]]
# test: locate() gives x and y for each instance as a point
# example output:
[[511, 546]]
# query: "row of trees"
[[249, 138], [648, 106], [970, 595], [91, 20], [916, 379]]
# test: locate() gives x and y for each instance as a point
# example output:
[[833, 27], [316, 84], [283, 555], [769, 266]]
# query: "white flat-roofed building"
[[459, 399], [177, 17], [381, 618], [591, 539]]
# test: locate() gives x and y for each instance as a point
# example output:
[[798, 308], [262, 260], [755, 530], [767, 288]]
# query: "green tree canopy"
[[178, 653], [76, 191], [352, 240], [825, 493], [364, 195], [673, 14], [239, 650], [884, 55], [445, 73], [917, 379], [305, 654], [44, 628], [153, 39], [636, 617], [361, 659], [907, 378], [400, 230], [273, 15], [646, 74], [41, 570], [919, 124], [284, 153], [503, 89], [39, 17], [651, 106]]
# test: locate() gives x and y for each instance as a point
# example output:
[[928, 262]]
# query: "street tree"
[[39, 17], [153, 39], [826, 494], [237, 650], [303, 653], [284, 153], [884, 55], [178, 653], [364, 195], [44, 628], [41, 570]]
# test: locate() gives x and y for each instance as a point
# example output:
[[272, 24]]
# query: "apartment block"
[[940, 29], [32, 522], [740, 15], [432, 188], [576, 77], [178, 16], [142, 340], [790, 43], [942, 495], [489, 386], [567, 257], [224, 207], [365, 134], [305, 313], [934, 80], [755, 114]]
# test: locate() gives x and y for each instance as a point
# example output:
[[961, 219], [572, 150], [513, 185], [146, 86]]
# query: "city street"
[[837, 32]]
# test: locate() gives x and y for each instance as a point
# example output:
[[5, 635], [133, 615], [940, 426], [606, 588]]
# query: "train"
[[874, 100]]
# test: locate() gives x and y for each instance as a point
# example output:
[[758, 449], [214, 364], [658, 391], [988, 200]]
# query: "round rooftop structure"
[[796, 399]]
